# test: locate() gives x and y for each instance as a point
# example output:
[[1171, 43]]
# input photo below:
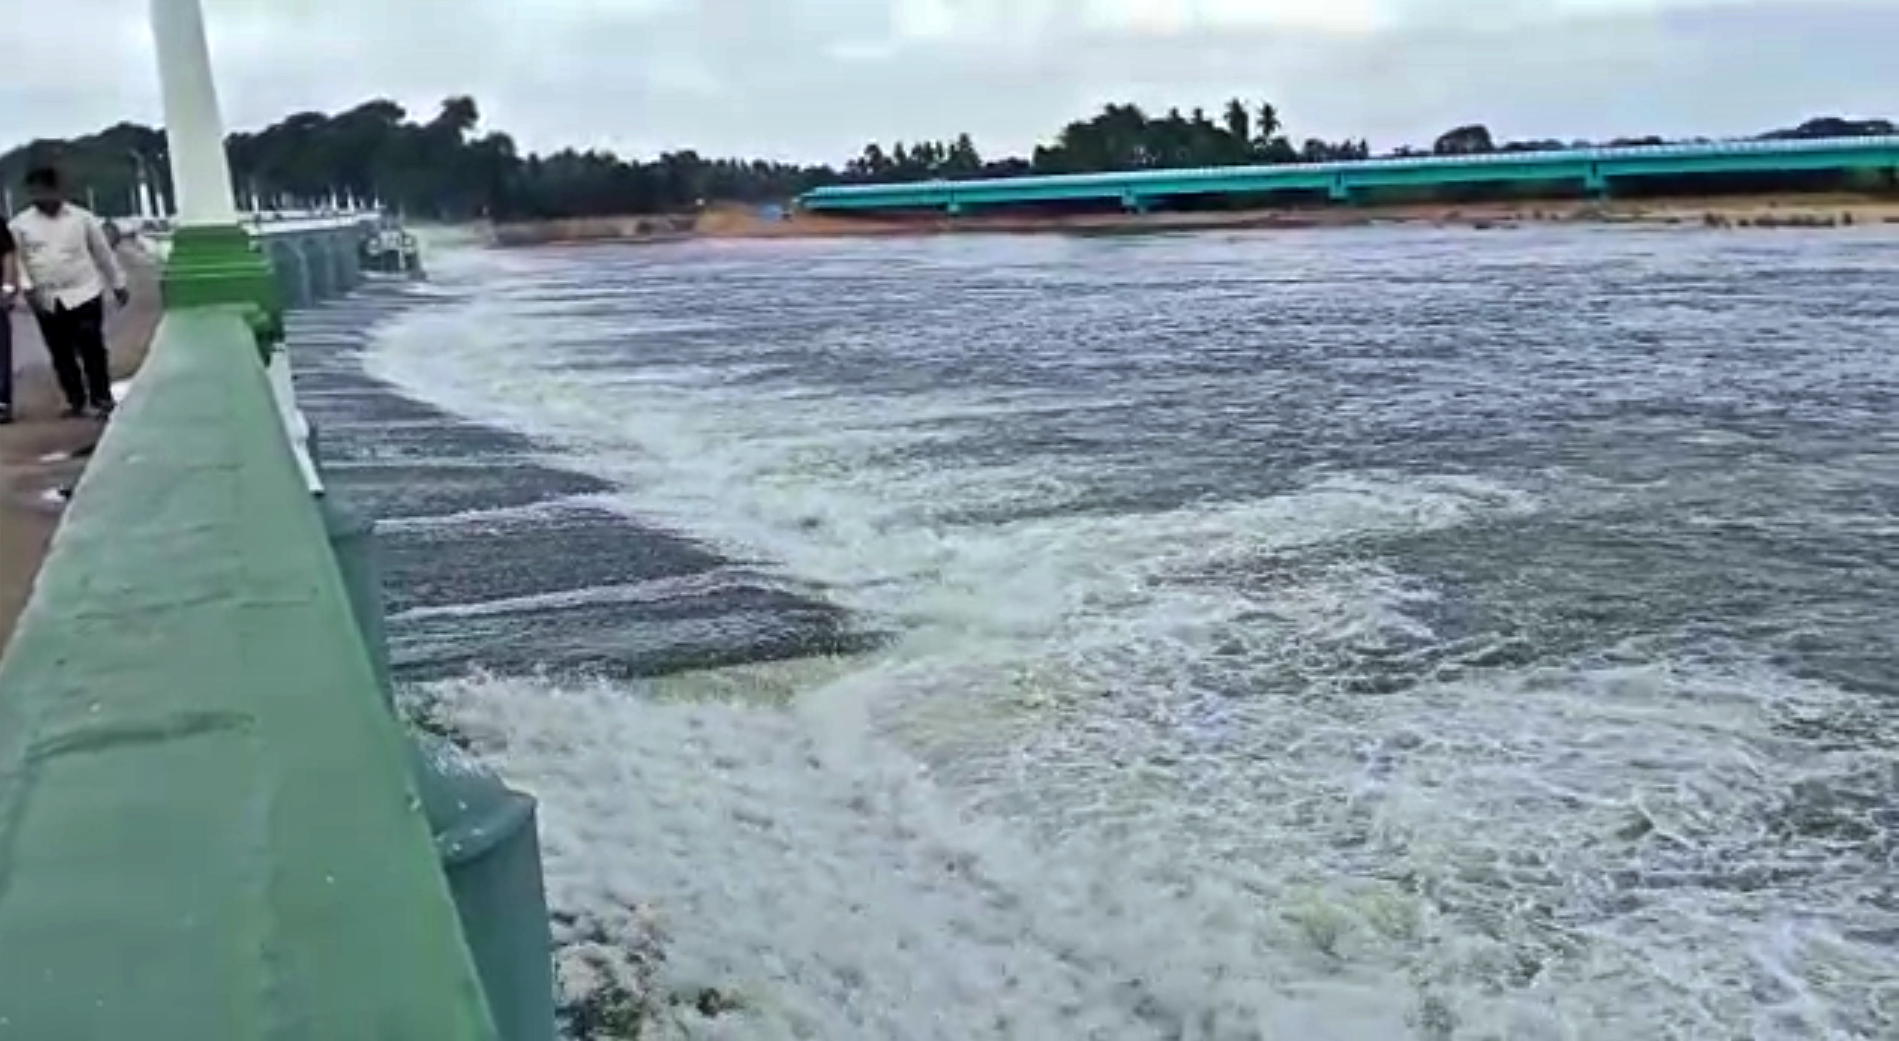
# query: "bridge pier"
[[293, 280], [336, 251], [1135, 203], [1338, 191], [316, 264], [1595, 184], [347, 246]]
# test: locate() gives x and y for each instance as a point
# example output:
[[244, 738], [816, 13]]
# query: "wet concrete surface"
[[495, 561]]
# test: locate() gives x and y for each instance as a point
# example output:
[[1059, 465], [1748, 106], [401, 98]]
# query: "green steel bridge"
[[1595, 170], [213, 824]]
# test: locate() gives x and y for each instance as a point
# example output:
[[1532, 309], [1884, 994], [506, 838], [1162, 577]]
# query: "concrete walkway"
[[35, 452]]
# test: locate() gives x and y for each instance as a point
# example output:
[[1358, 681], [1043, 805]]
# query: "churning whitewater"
[[1354, 635]]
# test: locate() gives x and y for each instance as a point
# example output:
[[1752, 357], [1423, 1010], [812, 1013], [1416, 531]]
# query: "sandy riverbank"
[[1736, 212], [36, 451]]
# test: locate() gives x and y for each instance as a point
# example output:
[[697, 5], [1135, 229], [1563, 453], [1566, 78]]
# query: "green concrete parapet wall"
[[212, 826], [207, 824]]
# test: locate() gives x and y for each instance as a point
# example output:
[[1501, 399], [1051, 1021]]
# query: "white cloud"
[[816, 78]]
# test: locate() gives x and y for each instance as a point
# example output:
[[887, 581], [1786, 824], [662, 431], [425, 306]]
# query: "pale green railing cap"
[[208, 831]]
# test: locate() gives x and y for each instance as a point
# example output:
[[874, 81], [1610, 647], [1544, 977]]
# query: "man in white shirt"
[[9, 292], [66, 266]]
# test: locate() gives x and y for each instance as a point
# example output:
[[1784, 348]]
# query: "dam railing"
[[212, 822]]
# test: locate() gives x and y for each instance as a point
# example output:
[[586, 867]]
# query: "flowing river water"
[[1358, 635]]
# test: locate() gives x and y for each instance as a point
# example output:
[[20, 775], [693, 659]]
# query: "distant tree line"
[[1119, 137], [450, 168]]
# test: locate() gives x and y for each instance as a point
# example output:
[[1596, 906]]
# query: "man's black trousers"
[[6, 359], [75, 340]]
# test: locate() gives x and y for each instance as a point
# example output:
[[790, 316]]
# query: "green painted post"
[[215, 265], [488, 838]]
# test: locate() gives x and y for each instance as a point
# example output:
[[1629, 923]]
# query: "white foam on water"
[[1113, 783], [833, 894], [486, 517], [1360, 876], [817, 480], [657, 590]]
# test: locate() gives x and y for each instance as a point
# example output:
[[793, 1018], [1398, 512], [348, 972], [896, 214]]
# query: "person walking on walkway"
[[66, 267], [9, 292]]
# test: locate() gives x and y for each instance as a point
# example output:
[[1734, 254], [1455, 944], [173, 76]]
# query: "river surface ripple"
[[1363, 634]]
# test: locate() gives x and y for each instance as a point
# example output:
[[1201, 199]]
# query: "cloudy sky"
[[814, 79]]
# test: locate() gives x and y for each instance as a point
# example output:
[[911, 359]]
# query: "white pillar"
[[146, 211], [200, 175]]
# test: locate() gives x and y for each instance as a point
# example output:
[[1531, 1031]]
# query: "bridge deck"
[[1594, 168]]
